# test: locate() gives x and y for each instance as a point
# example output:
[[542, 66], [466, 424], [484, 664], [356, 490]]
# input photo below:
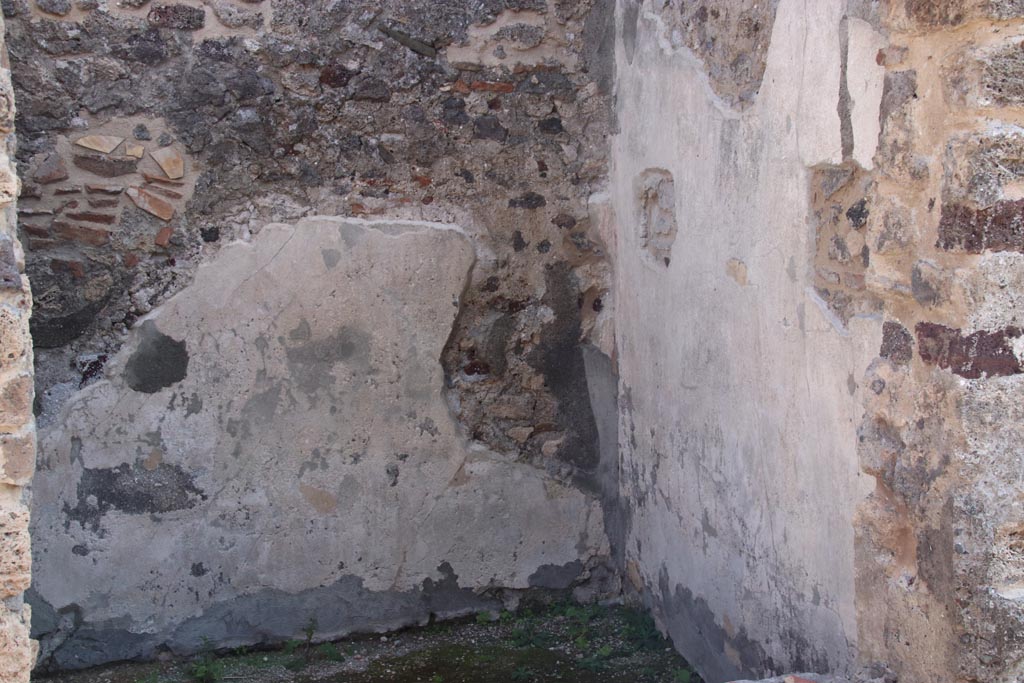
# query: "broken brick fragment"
[[972, 356]]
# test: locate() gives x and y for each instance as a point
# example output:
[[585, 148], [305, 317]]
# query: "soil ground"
[[567, 643]]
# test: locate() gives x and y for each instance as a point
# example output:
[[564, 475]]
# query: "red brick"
[[972, 356], [79, 233], [76, 268], [92, 217]]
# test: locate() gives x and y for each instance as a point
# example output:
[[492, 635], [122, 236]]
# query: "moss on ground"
[[565, 642]]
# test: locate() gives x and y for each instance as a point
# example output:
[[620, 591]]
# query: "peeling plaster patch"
[[556, 577], [656, 214], [865, 80], [737, 270], [134, 491]]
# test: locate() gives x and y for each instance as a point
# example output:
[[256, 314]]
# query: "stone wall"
[[17, 426], [798, 444], [818, 336], [156, 135]]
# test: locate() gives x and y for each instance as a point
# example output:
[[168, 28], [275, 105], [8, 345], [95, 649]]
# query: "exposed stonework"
[[798, 444]]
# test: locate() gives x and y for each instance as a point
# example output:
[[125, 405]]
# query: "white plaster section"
[[312, 420], [865, 80], [739, 405]]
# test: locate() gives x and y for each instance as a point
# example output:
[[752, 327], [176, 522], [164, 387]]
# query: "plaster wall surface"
[[272, 446], [739, 397]]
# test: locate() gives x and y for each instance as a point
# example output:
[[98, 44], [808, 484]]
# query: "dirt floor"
[[566, 642]]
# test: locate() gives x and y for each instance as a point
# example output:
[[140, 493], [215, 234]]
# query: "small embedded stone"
[[489, 128], [857, 214], [335, 76], [235, 17], [371, 90], [52, 170], [530, 200], [520, 434], [551, 126], [897, 343], [141, 132], [59, 8], [100, 143], [179, 17], [106, 166], [170, 162], [151, 203], [564, 221]]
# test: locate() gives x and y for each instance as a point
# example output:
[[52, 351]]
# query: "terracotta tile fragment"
[[103, 189], [165, 192], [170, 162], [80, 233], [150, 203], [92, 217], [163, 236], [100, 143], [135, 151], [163, 181]]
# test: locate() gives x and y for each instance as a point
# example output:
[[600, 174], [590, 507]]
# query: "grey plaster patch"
[[341, 608], [556, 577], [158, 361], [132, 490]]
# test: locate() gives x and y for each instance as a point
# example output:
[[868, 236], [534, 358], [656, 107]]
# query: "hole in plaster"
[[656, 214]]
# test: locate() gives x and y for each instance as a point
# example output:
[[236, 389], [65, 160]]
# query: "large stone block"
[[17, 457], [15, 555], [16, 401], [17, 650]]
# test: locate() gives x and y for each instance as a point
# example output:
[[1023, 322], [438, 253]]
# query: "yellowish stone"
[[135, 151]]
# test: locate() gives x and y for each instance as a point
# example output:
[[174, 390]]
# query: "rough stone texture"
[[303, 457], [17, 431], [891, 535], [814, 377], [357, 109]]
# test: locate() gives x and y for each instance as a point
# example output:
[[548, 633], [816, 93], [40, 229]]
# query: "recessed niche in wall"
[[656, 214]]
